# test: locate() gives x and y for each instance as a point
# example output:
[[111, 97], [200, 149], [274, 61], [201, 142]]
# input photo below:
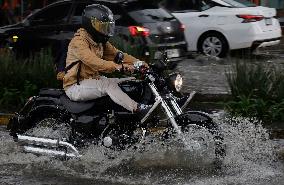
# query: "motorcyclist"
[[90, 54]]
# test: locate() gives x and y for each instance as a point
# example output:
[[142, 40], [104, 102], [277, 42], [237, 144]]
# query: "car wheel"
[[213, 44]]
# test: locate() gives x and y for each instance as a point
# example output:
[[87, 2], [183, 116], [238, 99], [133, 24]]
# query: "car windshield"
[[239, 3], [151, 15]]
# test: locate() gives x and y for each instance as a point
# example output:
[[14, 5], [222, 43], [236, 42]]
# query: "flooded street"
[[252, 157]]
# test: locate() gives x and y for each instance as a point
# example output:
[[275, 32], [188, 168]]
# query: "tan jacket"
[[95, 58]]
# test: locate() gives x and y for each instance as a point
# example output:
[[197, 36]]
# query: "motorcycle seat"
[[51, 92], [77, 107]]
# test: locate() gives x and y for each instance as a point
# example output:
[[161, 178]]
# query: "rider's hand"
[[145, 65], [118, 67], [128, 68], [140, 63]]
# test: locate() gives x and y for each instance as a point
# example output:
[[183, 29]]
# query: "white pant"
[[90, 89]]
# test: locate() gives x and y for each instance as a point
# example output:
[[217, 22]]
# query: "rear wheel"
[[51, 126]]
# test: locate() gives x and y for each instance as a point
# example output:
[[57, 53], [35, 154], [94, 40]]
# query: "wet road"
[[251, 159], [207, 75]]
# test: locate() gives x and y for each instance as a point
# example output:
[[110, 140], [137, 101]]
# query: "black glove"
[[119, 57]]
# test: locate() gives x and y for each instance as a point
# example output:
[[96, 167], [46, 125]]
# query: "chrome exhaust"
[[46, 146]]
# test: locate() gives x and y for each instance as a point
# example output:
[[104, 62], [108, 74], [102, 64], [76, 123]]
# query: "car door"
[[45, 26], [194, 15]]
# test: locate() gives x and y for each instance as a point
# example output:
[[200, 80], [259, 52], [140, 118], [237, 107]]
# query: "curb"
[[4, 118], [212, 97]]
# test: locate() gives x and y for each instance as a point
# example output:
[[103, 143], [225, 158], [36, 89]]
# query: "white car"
[[214, 27]]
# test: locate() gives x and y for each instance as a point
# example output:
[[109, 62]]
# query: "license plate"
[[173, 53], [268, 21]]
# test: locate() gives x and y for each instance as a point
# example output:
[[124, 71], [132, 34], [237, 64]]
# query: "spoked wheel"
[[114, 138], [201, 135], [197, 137]]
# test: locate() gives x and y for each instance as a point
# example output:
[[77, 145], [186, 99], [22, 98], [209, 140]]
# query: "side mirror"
[[119, 57], [161, 60]]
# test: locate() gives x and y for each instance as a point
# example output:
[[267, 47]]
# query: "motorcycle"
[[51, 124]]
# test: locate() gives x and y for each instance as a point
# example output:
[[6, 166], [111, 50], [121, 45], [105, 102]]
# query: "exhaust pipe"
[[47, 146]]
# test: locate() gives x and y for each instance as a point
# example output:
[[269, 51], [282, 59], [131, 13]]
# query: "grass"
[[20, 79], [258, 91]]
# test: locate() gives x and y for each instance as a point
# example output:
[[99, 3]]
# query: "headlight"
[[176, 81]]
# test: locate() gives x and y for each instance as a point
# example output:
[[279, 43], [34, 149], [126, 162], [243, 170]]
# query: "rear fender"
[[37, 101], [35, 107], [19, 123]]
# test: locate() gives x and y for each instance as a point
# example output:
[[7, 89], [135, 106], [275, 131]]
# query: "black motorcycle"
[[51, 123]]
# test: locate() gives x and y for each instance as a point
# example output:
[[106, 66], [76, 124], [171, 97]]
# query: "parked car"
[[141, 28], [214, 27]]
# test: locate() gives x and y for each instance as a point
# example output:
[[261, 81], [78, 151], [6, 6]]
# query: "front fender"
[[197, 117]]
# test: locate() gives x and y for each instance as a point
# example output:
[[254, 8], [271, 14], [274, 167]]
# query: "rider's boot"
[[143, 109]]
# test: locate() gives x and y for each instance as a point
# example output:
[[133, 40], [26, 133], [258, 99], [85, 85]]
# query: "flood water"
[[252, 159]]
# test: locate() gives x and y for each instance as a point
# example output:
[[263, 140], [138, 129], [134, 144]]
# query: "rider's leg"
[[110, 86], [121, 98], [91, 89], [87, 90]]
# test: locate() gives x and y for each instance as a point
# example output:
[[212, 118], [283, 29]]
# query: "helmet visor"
[[105, 28]]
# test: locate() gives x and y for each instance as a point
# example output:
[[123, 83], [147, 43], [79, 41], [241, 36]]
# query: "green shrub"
[[20, 79], [258, 91]]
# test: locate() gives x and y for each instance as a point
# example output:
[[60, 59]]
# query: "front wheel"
[[200, 130]]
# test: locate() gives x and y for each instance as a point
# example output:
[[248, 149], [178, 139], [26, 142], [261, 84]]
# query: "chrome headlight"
[[176, 81]]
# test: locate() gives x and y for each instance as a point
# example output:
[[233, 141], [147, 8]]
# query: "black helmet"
[[98, 21]]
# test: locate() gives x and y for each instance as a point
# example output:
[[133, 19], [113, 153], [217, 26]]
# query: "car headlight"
[[15, 38], [176, 81]]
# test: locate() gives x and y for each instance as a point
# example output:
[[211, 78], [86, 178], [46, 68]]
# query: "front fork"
[[166, 108], [188, 145]]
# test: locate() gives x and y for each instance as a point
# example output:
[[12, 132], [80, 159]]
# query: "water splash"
[[250, 160]]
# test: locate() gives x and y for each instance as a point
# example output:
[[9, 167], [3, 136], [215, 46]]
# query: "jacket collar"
[[83, 33]]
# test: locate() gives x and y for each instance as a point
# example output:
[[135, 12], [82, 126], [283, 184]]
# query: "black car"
[[142, 28]]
